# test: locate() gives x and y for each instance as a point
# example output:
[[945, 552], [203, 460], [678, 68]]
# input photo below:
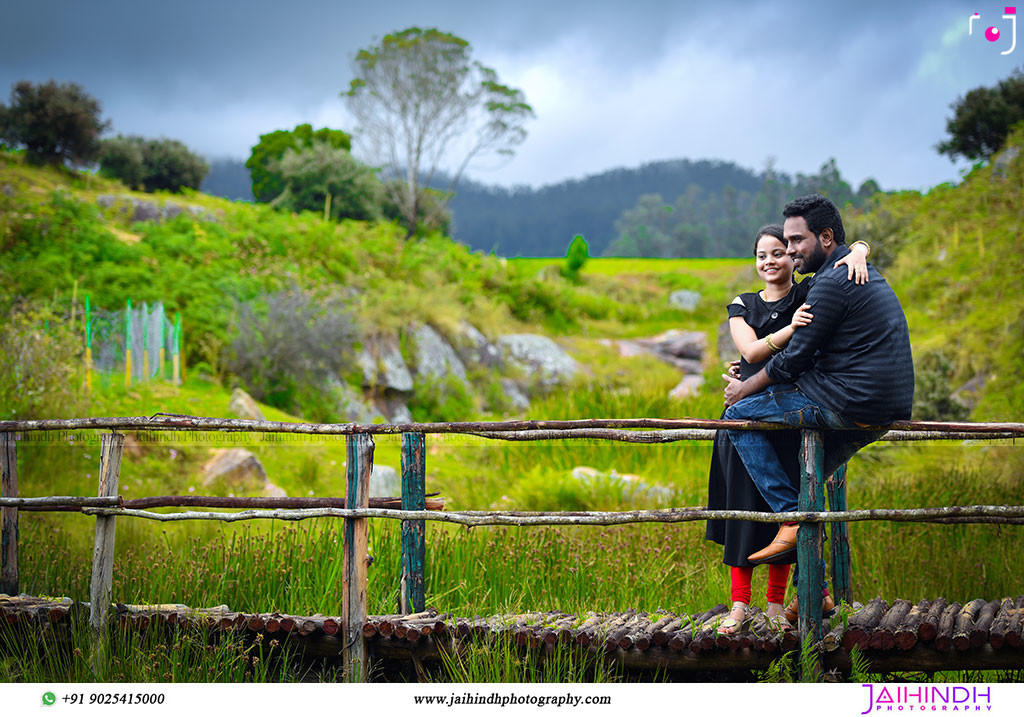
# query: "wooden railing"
[[357, 509]]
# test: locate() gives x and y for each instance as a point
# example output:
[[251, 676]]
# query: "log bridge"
[[930, 635]]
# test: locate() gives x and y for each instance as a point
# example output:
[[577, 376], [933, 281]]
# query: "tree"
[[421, 100], [152, 164], [312, 174], [575, 257], [56, 124], [267, 183], [982, 119]]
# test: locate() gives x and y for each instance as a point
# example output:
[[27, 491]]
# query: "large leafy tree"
[[982, 119], [323, 176], [54, 123], [267, 182], [422, 101]]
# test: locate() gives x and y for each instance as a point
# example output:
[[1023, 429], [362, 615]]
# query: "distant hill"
[[228, 178], [541, 222]]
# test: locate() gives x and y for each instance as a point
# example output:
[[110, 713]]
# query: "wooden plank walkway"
[[928, 635]]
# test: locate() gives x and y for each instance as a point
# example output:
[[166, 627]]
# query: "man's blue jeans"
[[785, 403]]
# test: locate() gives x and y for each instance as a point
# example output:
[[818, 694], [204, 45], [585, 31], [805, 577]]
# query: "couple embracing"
[[832, 352]]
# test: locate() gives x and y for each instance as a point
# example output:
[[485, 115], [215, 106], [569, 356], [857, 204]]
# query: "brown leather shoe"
[[782, 547], [828, 606]]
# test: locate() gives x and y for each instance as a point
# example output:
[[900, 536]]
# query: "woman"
[[761, 324]]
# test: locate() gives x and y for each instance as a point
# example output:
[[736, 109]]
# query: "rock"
[[679, 348], [244, 406], [234, 468], [474, 349], [349, 405], [7, 190], [540, 356], [274, 491], [169, 211], [435, 358], [385, 482], [688, 387], [143, 211], [399, 412], [383, 366], [684, 299], [515, 396], [106, 201], [630, 487]]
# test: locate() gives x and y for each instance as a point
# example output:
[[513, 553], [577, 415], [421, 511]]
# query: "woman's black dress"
[[729, 485]]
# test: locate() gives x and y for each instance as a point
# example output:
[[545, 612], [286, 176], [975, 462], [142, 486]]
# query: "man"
[[849, 368]]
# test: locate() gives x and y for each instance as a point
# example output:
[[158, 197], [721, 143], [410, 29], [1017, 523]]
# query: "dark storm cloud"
[[613, 82]]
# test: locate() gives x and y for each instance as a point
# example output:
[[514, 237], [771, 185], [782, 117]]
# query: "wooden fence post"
[[356, 552], [111, 448], [841, 580], [811, 582], [9, 519], [414, 546]]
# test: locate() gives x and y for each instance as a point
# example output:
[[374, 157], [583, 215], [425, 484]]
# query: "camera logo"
[[993, 34]]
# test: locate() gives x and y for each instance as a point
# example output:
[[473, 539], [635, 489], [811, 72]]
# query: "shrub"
[[54, 123], [152, 164], [933, 400], [42, 376], [575, 257], [287, 345]]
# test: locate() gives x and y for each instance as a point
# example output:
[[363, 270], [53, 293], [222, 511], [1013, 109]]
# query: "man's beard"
[[811, 263]]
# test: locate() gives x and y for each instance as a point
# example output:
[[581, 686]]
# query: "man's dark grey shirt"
[[854, 357]]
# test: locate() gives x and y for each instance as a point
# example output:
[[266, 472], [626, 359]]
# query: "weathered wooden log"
[[705, 626], [633, 628], [1000, 624], [833, 639], [613, 629], [906, 633], [964, 622], [355, 554], [930, 624], [883, 636], [101, 584], [331, 625], [979, 632], [863, 622], [944, 635], [679, 640], [256, 623], [585, 632], [661, 629], [1014, 629], [200, 501], [370, 628]]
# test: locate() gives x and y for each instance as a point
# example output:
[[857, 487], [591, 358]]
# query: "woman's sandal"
[[730, 625]]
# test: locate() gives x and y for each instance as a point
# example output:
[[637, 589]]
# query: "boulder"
[[515, 396], [679, 348], [398, 412], [474, 348], [628, 486], [244, 406], [385, 482], [540, 356], [234, 468], [348, 403], [968, 394], [435, 358], [684, 299], [727, 350], [1001, 164], [274, 491], [383, 366], [688, 387]]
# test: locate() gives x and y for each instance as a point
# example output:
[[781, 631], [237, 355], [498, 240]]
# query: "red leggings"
[[778, 576]]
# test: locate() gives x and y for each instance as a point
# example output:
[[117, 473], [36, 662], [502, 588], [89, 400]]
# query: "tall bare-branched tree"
[[424, 104]]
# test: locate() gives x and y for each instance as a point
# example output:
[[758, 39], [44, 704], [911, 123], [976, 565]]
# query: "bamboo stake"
[[412, 590], [810, 536], [360, 464], [111, 447], [9, 516]]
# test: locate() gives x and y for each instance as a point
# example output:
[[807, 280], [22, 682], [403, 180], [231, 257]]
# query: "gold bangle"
[[861, 241], [771, 345]]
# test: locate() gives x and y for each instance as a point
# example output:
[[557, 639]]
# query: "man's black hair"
[[772, 230], [819, 212]]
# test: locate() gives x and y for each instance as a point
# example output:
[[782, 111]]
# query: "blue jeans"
[[785, 403]]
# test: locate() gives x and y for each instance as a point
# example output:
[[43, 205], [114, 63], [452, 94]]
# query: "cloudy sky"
[[613, 84]]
